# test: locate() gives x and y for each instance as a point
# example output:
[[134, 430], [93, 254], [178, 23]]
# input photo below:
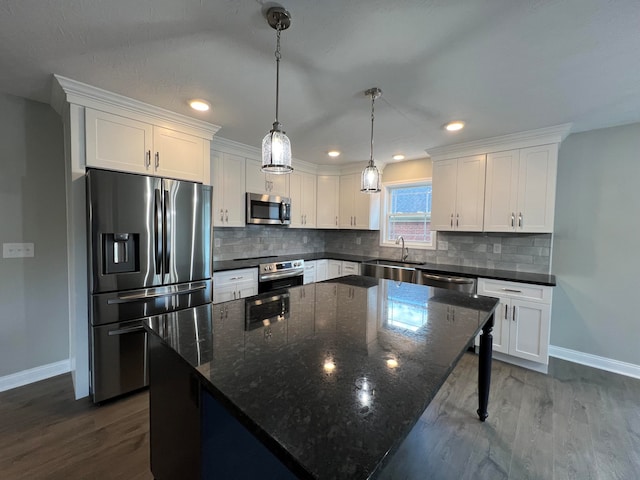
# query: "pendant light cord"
[[373, 99], [278, 57]]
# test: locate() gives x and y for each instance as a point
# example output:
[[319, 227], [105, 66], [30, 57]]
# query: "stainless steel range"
[[275, 275]]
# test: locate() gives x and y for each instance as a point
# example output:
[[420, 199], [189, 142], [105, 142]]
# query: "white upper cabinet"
[[116, 142], [327, 206], [302, 190], [360, 211], [520, 190], [229, 195], [458, 194], [259, 182]]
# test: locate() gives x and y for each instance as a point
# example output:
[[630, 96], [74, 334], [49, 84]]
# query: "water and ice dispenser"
[[120, 252]]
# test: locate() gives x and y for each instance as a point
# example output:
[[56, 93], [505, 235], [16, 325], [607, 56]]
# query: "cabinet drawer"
[[524, 291], [235, 276]]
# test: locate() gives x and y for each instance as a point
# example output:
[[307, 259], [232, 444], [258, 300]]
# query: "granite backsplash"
[[505, 251]]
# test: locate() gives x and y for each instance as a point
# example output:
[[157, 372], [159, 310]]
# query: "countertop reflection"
[[336, 372]]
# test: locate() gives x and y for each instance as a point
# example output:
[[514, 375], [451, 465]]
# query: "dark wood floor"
[[575, 423]]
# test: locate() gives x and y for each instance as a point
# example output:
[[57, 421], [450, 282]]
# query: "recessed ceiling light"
[[398, 156], [200, 105], [333, 153], [454, 126]]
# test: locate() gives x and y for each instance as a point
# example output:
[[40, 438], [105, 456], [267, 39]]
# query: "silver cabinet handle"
[[452, 220], [226, 215], [157, 159], [457, 219], [520, 219], [221, 215], [513, 219], [355, 222], [506, 312], [148, 159], [234, 295], [512, 290], [336, 220], [305, 218], [236, 278], [514, 314]]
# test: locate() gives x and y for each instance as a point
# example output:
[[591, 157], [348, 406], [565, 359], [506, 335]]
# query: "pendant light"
[[370, 175], [276, 147]]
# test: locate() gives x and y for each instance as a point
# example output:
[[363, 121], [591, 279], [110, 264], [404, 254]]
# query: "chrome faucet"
[[404, 253]]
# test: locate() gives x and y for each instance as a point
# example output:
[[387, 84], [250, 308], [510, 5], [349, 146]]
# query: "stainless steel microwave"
[[268, 209]]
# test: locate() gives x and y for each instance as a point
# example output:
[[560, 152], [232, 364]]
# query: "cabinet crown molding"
[[65, 90], [531, 138]]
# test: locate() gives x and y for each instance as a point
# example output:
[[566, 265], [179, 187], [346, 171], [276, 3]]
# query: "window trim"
[[414, 182]]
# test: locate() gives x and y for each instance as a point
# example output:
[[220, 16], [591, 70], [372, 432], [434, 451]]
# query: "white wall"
[[596, 251], [34, 326]]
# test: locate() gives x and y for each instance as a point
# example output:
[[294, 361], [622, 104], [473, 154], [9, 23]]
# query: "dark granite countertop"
[[508, 275], [332, 375]]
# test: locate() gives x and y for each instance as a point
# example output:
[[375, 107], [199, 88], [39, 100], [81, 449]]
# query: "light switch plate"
[[17, 250], [216, 242], [497, 248]]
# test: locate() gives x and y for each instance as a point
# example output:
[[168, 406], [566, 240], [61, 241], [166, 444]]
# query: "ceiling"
[[502, 66]]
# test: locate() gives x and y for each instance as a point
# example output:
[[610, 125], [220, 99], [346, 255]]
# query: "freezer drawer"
[[119, 359]]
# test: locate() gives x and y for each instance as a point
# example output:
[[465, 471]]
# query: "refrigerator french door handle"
[[158, 231], [149, 296], [167, 232]]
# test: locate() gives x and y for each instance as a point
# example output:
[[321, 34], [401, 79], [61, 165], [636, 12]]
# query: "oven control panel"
[[281, 266]]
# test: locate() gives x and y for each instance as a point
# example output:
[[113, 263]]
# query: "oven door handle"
[[275, 275]]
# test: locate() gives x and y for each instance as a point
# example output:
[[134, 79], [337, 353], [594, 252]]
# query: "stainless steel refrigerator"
[[149, 254]]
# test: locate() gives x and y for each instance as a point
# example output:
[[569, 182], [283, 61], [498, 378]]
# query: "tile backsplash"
[[504, 251]]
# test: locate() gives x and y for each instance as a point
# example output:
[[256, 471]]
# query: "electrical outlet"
[[358, 240], [305, 239], [17, 250], [217, 243], [497, 248]]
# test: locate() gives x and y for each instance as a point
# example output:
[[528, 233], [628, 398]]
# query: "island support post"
[[484, 368]]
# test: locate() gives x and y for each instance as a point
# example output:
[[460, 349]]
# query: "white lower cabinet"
[[341, 268], [522, 319], [322, 270], [310, 272], [234, 284]]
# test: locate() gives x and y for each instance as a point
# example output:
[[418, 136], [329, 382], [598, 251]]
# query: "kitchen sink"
[[391, 270]]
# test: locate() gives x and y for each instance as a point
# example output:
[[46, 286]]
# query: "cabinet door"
[[350, 268], [118, 143], [537, 189], [278, 184], [322, 270], [443, 203], [334, 269], [501, 195], [347, 207], [309, 199], [229, 199], [223, 293], [501, 326], [529, 330], [246, 289], [296, 193], [469, 211], [178, 155], [309, 272], [255, 181], [327, 204]]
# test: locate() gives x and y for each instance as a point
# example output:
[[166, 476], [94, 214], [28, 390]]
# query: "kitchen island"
[[318, 381]]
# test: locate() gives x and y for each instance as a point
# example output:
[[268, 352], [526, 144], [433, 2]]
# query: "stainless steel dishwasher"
[[443, 280]]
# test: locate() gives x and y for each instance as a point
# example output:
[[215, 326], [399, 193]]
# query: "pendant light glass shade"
[[370, 179], [370, 182], [276, 152], [276, 147]]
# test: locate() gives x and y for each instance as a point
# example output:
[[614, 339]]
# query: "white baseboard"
[[603, 363], [36, 374]]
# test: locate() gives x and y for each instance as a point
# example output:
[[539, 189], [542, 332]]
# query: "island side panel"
[[174, 414]]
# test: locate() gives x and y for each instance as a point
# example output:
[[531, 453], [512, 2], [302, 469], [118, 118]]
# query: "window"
[[407, 213]]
